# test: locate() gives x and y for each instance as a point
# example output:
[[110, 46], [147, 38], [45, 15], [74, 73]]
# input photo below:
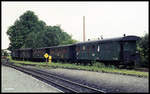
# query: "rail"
[[63, 84]]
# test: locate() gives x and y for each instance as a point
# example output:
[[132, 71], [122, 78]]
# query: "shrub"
[[143, 48]]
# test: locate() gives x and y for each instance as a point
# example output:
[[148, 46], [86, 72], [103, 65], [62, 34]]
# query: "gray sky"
[[110, 19]]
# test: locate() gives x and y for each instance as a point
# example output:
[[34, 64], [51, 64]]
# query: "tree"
[[143, 48], [27, 23], [71, 41], [62, 37], [51, 36], [30, 32]]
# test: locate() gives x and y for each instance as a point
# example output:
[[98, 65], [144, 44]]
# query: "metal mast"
[[83, 28]]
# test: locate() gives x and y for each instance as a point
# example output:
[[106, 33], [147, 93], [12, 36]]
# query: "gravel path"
[[106, 81], [16, 81]]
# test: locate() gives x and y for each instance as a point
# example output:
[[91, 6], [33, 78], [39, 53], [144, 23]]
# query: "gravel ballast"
[[16, 81], [105, 81]]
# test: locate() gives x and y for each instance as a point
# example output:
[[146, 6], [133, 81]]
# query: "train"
[[116, 51]]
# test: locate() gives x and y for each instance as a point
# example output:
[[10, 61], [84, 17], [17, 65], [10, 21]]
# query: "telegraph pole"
[[83, 28]]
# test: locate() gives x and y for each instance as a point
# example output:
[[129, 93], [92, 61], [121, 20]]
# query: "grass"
[[97, 67]]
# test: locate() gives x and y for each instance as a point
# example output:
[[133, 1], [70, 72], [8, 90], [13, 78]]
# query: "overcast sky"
[[110, 19]]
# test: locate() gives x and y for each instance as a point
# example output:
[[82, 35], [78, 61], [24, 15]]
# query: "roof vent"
[[101, 36], [124, 35]]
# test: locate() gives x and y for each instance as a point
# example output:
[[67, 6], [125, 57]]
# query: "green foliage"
[[27, 23], [87, 68], [98, 64], [143, 48], [29, 32], [102, 65], [51, 36], [69, 41]]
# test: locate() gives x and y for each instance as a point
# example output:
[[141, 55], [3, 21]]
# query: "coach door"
[[72, 52], [121, 51], [98, 51]]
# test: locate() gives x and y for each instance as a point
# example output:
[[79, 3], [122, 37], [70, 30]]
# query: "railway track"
[[65, 85]]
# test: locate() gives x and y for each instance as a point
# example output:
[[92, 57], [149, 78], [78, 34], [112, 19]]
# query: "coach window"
[[55, 50], [77, 49], [59, 50], [98, 48], [40, 51], [64, 50], [52, 51], [83, 47], [88, 48], [93, 47]]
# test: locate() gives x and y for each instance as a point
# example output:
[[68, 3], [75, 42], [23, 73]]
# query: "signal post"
[[46, 56]]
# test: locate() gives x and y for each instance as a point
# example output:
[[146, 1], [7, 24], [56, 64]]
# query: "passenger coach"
[[117, 50]]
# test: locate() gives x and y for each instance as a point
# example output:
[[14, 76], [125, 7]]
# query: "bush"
[[143, 48], [98, 64]]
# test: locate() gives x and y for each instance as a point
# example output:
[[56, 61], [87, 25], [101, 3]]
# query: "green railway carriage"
[[97, 50], [55, 52], [59, 52], [122, 50], [117, 51], [109, 51], [15, 54], [63, 52], [25, 53], [38, 54]]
